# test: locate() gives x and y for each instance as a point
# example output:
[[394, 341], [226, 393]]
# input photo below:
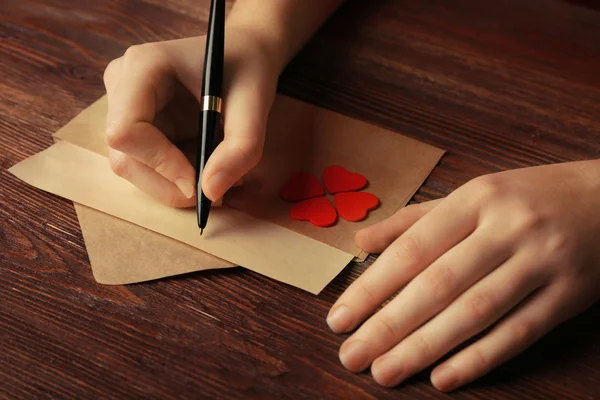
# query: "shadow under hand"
[[564, 350]]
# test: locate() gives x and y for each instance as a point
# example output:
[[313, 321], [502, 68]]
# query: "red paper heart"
[[301, 186], [339, 179], [354, 206], [318, 211]]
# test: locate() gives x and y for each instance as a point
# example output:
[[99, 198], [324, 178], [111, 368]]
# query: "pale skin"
[[516, 250]]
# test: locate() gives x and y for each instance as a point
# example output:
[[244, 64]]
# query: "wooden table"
[[500, 84]]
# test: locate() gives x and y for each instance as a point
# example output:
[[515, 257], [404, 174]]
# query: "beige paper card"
[[86, 178]]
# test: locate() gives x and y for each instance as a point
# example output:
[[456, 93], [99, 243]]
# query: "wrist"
[[281, 27], [266, 47]]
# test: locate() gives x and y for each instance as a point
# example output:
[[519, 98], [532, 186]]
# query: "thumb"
[[246, 109]]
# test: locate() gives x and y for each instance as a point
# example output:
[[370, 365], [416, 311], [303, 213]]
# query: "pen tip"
[[201, 231]]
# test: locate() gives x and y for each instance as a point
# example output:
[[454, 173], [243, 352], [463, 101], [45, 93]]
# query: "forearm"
[[283, 26]]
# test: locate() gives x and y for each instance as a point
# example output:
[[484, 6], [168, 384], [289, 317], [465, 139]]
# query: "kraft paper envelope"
[[303, 137], [121, 252]]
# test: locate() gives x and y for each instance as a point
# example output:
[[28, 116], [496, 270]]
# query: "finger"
[[147, 180], [111, 75], [438, 231], [144, 142], [247, 107], [428, 294], [471, 313], [375, 238], [517, 332], [146, 86], [185, 57]]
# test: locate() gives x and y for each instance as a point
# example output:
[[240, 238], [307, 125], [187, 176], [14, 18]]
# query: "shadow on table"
[[557, 350], [560, 349]]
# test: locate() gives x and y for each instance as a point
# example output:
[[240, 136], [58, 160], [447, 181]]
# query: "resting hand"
[[518, 250]]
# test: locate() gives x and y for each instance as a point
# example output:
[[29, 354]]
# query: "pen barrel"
[[210, 125], [210, 117], [212, 80]]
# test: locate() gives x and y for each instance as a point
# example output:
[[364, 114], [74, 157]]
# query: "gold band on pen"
[[211, 103]]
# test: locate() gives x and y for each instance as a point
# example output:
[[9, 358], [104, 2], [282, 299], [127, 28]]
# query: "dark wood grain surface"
[[500, 84]]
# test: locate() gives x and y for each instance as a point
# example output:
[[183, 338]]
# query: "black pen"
[[210, 115]]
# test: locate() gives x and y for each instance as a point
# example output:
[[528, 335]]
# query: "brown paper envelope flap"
[[121, 252]]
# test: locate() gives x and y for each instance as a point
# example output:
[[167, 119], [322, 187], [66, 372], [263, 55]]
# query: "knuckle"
[[110, 72], [365, 288], [246, 138], [479, 308], [160, 157], [119, 165], [520, 279], [137, 52], [148, 56], [407, 252], [250, 151], [385, 326], [439, 284], [423, 347], [171, 199], [521, 332], [159, 163], [485, 188], [559, 248], [116, 136], [527, 219], [479, 358]]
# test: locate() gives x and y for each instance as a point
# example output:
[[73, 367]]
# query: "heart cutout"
[[301, 186], [354, 206], [318, 211], [338, 179]]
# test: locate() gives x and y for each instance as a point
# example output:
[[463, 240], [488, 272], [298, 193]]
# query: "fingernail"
[[219, 183], [388, 371], [218, 203], [444, 378], [359, 233], [186, 187], [354, 355], [340, 319]]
